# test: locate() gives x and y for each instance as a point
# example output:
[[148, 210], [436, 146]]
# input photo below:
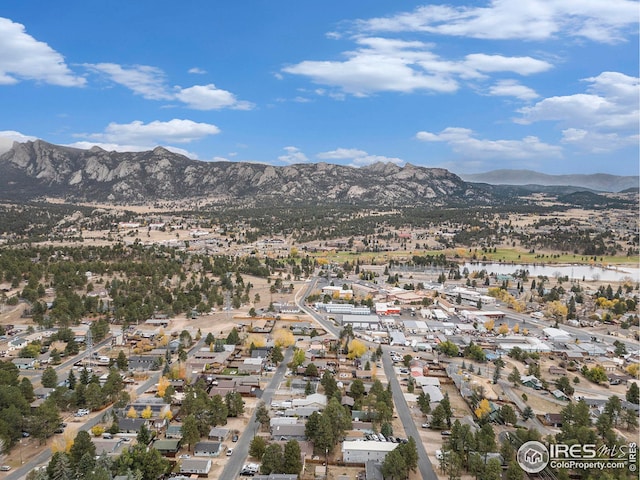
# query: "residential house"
[[131, 425], [168, 447], [174, 430], [218, 434], [107, 446], [434, 393], [553, 419], [16, 344], [138, 363], [207, 449], [251, 365], [531, 381], [315, 399], [559, 395], [288, 432], [42, 392], [553, 370], [24, 363], [195, 466]]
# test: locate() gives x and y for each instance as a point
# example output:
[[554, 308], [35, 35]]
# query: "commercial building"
[[364, 451]]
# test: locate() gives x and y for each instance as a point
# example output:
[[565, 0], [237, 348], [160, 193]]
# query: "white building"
[[557, 334], [361, 322], [363, 451]]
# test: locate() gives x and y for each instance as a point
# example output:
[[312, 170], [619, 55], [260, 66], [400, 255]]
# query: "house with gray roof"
[[207, 449], [195, 466]]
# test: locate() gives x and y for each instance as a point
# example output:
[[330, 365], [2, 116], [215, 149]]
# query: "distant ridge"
[[598, 181]]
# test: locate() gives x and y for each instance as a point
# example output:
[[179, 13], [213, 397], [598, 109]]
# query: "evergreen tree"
[[190, 433], [262, 416], [49, 378], [81, 445], [292, 458], [272, 460], [633, 393], [257, 447]]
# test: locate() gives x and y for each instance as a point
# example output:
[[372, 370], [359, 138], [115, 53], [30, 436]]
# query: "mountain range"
[[598, 181], [37, 170]]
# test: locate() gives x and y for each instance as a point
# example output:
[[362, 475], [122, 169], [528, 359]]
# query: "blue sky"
[[471, 86]]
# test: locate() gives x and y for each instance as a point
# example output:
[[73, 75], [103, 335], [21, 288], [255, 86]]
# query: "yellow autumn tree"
[[257, 340], [132, 413], [97, 430], [503, 329], [489, 324], [516, 328], [178, 372], [146, 413], [525, 331], [163, 384], [168, 415], [163, 340], [283, 338], [484, 408], [633, 370], [356, 349], [557, 309]]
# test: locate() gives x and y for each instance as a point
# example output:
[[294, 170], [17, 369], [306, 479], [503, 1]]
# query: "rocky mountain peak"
[[36, 169]]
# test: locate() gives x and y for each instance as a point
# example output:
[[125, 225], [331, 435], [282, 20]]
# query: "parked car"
[[445, 433], [185, 455], [229, 452], [5, 468], [234, 438]]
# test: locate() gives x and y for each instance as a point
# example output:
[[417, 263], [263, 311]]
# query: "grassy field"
[[501, 255]]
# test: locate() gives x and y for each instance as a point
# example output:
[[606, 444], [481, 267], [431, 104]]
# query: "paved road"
[[241, 448], [424, 464], [404, 413], [43, 457]]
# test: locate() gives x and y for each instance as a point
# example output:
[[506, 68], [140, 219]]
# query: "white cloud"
[[462, 141], [511, 88], [22, 57], [197, 71], [293, 155], [153, 133], [500, 63], [596, 20], [150, 82], [141, 79], [608, 112], [382, 64], [208, 97], [7, 137], [359, 158], [598, 142]]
